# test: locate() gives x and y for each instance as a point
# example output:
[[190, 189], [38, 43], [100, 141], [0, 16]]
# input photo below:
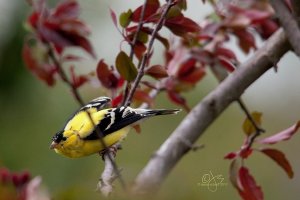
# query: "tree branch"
[[159, 25], [132, 45], [289, 24], [205, 112], [296, 10]]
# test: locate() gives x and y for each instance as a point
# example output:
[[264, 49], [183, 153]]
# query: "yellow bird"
[[79, 137]]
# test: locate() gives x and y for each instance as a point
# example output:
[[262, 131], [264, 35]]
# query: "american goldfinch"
[[79, 137]]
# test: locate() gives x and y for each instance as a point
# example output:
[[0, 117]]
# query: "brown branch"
[[296, 10], [136, 35], [288, 22], [205, 112], [132, 45], [140, 74], [107, 155]]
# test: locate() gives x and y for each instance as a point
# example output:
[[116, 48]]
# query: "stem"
[[77, 96], [159, 25], [132, 45], [258, 129]]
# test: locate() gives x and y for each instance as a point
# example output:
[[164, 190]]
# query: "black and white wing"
[[118, 118], [98, 103]]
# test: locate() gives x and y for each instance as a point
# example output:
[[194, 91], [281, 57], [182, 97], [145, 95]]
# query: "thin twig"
[[258, 129], [140, 74], [132, 46], [81, 103], [136, 35]]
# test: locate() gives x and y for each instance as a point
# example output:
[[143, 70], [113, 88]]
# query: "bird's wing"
[[98, 103], [114, 120], [93, 106]]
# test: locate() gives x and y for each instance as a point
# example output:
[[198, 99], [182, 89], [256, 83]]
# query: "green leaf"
[[124, 18], [125, 66]]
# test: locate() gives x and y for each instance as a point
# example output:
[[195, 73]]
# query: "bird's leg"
[[112, 149]]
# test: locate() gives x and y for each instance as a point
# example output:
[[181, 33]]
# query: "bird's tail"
[[161, 112]]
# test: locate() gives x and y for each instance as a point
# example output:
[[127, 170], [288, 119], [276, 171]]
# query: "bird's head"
[[57, 140]]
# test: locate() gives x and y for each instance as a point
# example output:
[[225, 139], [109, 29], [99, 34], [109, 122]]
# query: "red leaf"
[[157, 71], [256, 16], [43, 71], [139, 50], [246, 40], [142, 97], [5, 175], [248, 189], [221, 51], [178, 99], [151, 7], [85, 44], [227, 64], [53, 33], [245, 151], [67, 10], [195, 76], [267, 28], [189, 73], [186, 68], [77, 81], [74, 27], [113, 17], [231, 155], [181, 25], [280, 159], [24, 177], [281, 136], [117, 100], [106, 76]]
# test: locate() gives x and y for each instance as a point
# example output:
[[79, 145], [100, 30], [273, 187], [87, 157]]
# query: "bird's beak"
[[53, 145]]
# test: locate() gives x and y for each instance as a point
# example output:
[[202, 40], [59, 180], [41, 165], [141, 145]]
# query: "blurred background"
[[31, 113]]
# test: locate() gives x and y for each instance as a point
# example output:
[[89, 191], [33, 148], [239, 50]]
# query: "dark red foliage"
[[248, 190], [60, 26], [181, 25], [190, 73], [117, 100], [280, 159], [151, 7], [157, 71], [178, 99], [107, 76], [39, 67], [77, 81], [17, 179], [246, 40]]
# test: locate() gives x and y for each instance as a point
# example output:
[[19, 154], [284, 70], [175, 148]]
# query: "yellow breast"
[[76, 147]]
